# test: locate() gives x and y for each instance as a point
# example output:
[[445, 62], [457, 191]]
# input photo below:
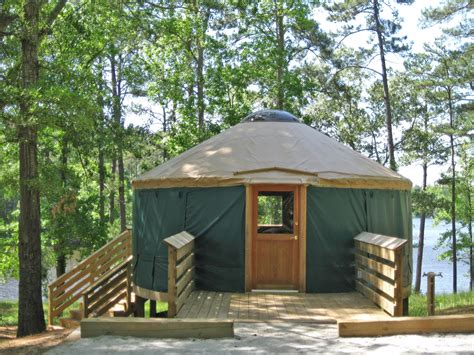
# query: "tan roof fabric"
[[273, 153]]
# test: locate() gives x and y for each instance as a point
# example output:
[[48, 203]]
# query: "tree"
[[420, 142], [28, 23], [465, 205], [450, 81], [348, 11], [275, 40]]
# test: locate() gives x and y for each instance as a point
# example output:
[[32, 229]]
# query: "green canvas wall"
[[216, 216], [335, 217]]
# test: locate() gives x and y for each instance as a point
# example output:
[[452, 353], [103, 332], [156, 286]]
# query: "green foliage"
[[204, 65], [8, 313], [445, 303]]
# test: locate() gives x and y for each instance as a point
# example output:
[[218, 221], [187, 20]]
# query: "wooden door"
[[275, 237]]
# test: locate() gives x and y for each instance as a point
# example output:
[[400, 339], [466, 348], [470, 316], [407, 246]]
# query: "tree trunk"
[[281, 62], [200, 85], [101, 158], [117, 112], [421, 236], [112, 192], [471, 245], [386, 97], [101, 184], [30, 305], [121, 171], [453, 192], [165, 129], [59, 250], [200, 42]]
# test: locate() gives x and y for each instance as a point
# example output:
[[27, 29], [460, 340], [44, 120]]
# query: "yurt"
[[274, 205]]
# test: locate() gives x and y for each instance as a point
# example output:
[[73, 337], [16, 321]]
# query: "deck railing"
[[379, 263], [70, 287], [107, 291], [181, 270]]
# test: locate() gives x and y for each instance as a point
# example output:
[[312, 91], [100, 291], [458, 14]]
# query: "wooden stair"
[[74, 320], [102, 280], [121, 309]]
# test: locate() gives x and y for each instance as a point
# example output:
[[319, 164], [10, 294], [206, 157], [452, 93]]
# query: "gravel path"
[[275, 337]]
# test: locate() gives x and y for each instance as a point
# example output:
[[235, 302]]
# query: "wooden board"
[[407, 325], [383, 241], [157, 328], [303, 191], [150, 294], [386, 270], [384, 303]]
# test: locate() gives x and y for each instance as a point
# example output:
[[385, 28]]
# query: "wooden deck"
[[290, 307]]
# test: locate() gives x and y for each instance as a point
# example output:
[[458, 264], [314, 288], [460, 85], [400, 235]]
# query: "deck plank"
[[224, 310], [274, 306], [216, 305], [196, 307]]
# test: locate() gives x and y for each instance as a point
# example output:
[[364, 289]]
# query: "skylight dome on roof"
[[270, 116]]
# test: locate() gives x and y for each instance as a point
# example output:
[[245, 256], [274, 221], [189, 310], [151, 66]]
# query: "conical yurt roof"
[[271, 147]]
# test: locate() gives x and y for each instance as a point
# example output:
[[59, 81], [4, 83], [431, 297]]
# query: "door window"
[[275, 212]]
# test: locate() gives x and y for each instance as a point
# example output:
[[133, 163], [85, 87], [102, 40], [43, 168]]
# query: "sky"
[[415, 34]]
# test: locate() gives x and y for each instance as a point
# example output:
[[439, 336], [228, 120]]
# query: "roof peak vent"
[[270, 116]]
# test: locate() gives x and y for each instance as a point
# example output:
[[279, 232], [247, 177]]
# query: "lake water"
[[9, 290], [430, 259]]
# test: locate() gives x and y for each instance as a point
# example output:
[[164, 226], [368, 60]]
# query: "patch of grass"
[[445, 303], [8, 313], [160, 307]]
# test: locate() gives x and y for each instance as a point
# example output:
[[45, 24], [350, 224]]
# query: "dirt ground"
[[33, 344], [274, 338]]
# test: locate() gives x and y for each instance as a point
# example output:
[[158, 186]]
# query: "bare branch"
[[352, 33]]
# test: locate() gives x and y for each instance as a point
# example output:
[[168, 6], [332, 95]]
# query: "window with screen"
[[275, 212]]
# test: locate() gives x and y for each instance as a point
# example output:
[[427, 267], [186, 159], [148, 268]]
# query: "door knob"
[[294, 237]]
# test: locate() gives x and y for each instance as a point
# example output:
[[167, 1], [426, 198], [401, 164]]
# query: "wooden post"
[[399, 282], [172, 259], [139, 310], [430, 293], [129, 286], [152, 308], [85, 301], [50, 306]]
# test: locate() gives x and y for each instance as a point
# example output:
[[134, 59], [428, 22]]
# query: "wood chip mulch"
[[32, 344]]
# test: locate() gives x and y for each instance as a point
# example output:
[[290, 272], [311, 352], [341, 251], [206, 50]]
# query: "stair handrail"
[[112, 287], [70, 286]]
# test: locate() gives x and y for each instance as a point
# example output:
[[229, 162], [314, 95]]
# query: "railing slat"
[[378, 259], [378, 283], [185, 280], [69, 287], [181, 270], [387, 271], [184, 265]]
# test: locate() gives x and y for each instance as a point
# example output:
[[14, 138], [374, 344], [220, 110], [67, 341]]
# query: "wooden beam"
[[248, 238], [172, 296], [408, 325], [150, 294], [302, 230], [157, 328]]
